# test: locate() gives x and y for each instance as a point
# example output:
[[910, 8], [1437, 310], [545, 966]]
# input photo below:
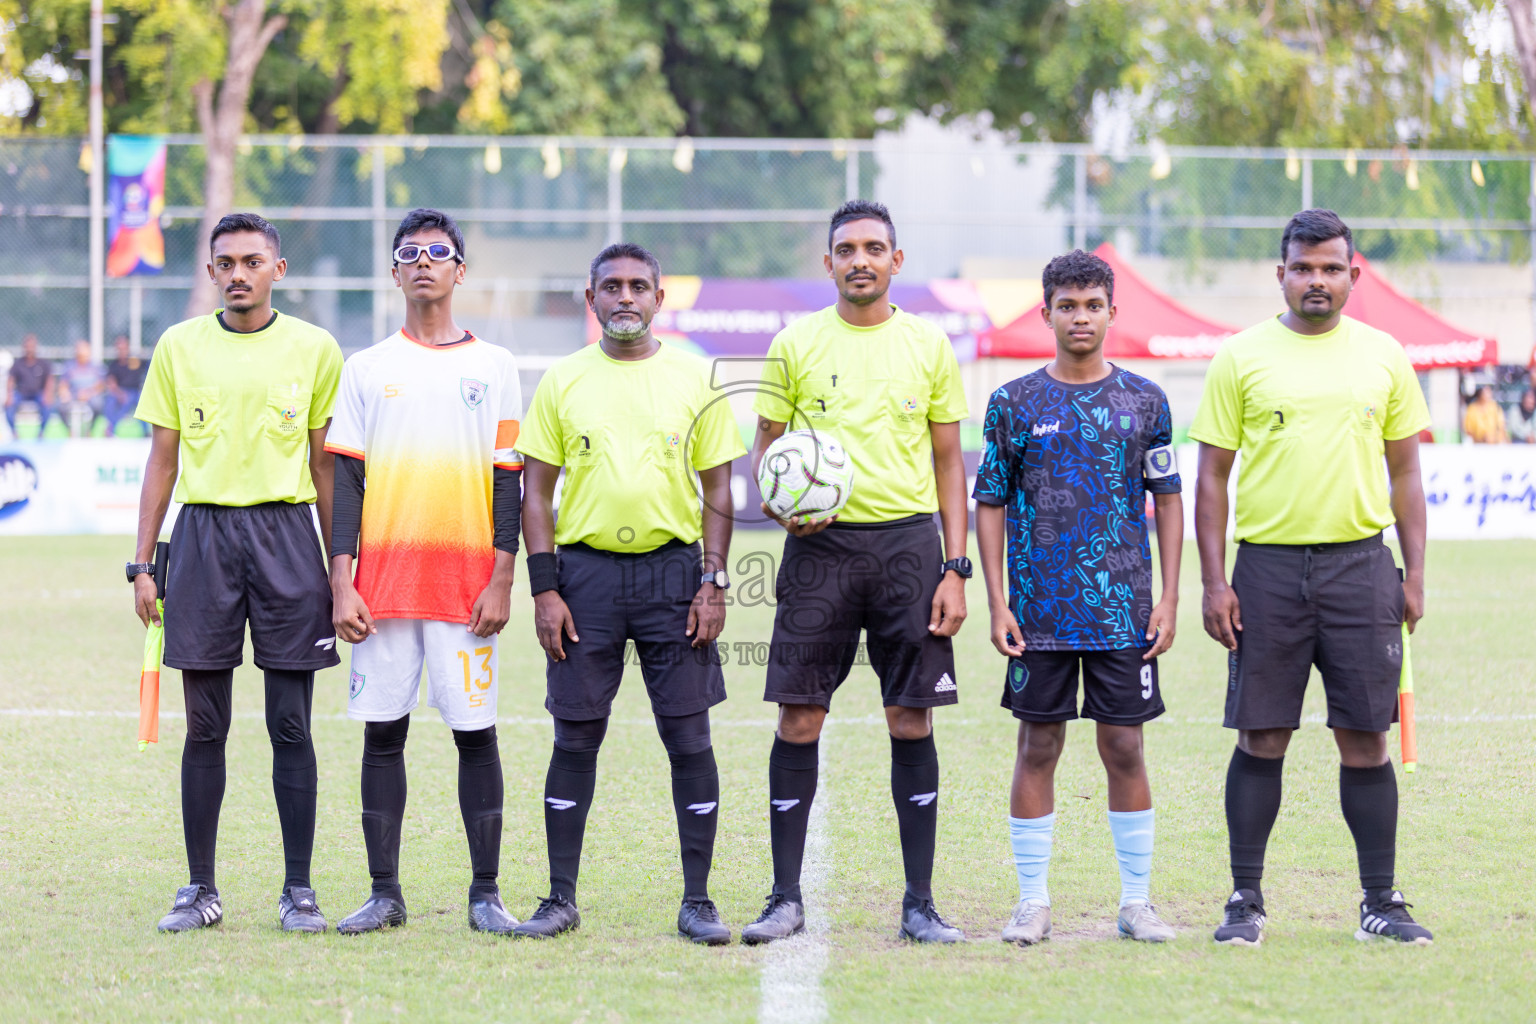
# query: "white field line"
[[790, 986]]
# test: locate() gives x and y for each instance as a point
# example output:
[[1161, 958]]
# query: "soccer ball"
[[805, 474]]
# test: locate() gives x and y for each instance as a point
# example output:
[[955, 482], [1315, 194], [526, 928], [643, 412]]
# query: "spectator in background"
[[125, 379], [1484, 421], [1521, 420], [30, 380], [82, 384]]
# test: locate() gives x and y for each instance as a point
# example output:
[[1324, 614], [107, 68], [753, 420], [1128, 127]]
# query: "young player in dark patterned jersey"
[[1071, 451], [884, 383]]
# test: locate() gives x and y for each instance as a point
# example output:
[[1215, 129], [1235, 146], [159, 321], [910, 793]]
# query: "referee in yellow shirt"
[[884, 383], [1314, 401], [239, 400], [632, 421]]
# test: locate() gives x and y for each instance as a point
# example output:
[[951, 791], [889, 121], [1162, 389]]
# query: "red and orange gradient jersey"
[[430, 423]]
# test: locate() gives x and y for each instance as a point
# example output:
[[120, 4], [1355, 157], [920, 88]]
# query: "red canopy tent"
[[1432, 343], [1148, 325]]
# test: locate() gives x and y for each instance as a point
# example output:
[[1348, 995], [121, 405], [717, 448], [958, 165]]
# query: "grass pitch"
[[90, 843]]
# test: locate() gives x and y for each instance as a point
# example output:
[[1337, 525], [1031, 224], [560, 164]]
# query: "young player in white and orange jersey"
[[428, 420]]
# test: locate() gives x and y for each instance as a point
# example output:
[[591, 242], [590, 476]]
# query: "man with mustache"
[[884, 383], [1314, 400], [239, 401], [642, 437]]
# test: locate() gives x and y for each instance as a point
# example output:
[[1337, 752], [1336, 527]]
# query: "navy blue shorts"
[[257, 563], [618, 598], [1118, 687]]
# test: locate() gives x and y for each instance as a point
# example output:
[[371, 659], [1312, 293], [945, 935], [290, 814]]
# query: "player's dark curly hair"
[[621, 251], [1077, 269], [234, 222], [1314, 227], [861, 209], [422, 219]]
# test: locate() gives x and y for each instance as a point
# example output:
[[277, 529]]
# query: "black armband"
[[347, 505], [543, 572], [507, 508]]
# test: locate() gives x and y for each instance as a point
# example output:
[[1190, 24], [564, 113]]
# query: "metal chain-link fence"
[[534, 212]]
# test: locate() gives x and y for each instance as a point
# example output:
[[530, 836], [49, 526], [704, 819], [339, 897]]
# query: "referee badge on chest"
[[671, 443], [473, 391]]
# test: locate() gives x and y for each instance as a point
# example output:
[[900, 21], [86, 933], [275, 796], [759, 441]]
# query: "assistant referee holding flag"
[[240, 400], [1313, 400]]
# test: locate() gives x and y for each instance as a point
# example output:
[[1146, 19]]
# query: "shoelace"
[[774, 902], [705, 909], [1236, 913], [1394, 910], [928, 910], [546, 903]]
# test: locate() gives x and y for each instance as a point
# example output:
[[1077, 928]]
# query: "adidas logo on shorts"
[[946, 684]]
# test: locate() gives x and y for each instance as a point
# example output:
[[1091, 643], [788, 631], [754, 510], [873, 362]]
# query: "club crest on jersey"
[[473, 391], [1125, 421]]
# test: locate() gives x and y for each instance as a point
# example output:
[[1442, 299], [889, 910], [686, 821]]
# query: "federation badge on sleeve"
[[1159, 463], [473, 391]]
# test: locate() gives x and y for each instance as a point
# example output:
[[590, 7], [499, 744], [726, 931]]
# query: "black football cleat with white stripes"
[[299, 911], [196, 906], [1242, 919], [1384, 915]]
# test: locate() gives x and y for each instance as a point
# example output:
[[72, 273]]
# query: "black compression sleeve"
[[506, 508], [347, 506]]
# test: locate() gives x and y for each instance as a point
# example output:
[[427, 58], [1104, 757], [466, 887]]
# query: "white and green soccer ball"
[[805, 473]]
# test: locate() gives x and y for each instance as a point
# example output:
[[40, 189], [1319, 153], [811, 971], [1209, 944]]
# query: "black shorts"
[[1336, 606], [615, 598], [879, 578], [260, 563], [1118, 687]]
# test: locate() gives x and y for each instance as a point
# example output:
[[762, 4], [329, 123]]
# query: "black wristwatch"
[[138, 568], [961, 565], [719, 579]]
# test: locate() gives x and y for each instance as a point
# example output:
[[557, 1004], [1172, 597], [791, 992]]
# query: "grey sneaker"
[[1029, 923], [489, 914], [1138, 920], [922, 923], [780, 919]]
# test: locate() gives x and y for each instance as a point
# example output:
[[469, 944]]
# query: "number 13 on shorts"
[[477, 678]]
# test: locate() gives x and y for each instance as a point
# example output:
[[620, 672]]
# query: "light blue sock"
[[1031, 838], [1132, 831]]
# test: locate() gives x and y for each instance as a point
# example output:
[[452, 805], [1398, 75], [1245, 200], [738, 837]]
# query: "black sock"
[[696, 798], [209, 701], [383, 785], [568, 790], [295, 779], [1369, 799], [202, 794], [1253, 803], [915, 789], [792, 771], [480, 796]]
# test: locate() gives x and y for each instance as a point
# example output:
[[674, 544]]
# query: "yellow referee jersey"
[[1310, 415], [244, 404], [630, 434], [874, 389]]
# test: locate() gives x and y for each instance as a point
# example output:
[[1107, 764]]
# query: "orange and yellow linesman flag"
[[149, 681], [1405, 709], [154, 647]]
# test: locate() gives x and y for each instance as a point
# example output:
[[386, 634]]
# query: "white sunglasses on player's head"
[[436, 252]]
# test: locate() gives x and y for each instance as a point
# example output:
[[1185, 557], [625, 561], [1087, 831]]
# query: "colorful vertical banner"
[[135, 200]]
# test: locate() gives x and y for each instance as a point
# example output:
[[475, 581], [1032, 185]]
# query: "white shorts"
[[461, 673]]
